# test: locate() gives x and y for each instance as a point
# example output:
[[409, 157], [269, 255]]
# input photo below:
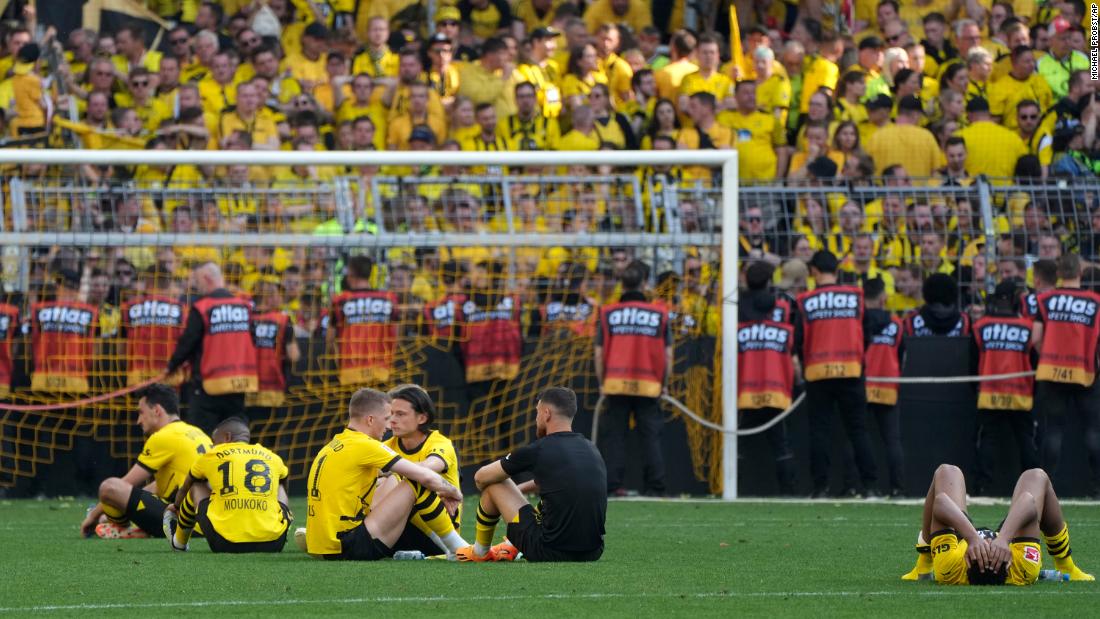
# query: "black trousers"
[[785, 470], [888, 420], [614, 425], [1056, 402], [846, 397], [206, 411], [988, 456]]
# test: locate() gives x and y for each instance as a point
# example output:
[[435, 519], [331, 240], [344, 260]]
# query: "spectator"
[[991, 149], [906, 142], [1061, 61], [490, 80], [760, 138], [1021, 83]]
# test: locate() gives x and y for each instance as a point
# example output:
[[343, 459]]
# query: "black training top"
[[572, 487]]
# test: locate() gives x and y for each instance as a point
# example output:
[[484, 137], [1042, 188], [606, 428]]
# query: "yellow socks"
[[185, 521], [114, 514], [1058, 547], [486, 526], [923, 569]]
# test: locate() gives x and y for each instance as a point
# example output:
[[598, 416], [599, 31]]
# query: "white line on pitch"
[[1060, 590]]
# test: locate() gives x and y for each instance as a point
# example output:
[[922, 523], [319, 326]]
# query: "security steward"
[[830, 340], [765, 367], [633, 358], [1065, 332], [1002, 345], [363, 329], [218, 342]]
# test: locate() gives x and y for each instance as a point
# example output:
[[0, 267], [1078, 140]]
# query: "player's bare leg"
[[389, 514], [1034, 485], [947, 480]]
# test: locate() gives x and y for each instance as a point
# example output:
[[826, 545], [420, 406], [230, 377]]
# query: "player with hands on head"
[[961, 554]]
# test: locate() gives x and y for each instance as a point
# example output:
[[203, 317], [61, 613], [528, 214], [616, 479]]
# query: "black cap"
[[910, 103], [316, 30], [824, 260], [977, 104], [438, 37], [545, 32], [67, 278], [881, 102], [422, 133], [871, 42]]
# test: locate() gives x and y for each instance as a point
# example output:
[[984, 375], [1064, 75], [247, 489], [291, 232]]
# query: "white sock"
[[480, 550], [453, 541], [438, 542]]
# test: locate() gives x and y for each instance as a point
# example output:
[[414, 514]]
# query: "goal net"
[[538, 238]]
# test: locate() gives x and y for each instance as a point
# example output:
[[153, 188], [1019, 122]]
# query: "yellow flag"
[[736, 52]]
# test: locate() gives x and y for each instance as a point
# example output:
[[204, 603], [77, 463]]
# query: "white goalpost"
[[19, 236]]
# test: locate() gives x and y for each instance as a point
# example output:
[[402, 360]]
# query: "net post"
[[989, 230], [730, 257]]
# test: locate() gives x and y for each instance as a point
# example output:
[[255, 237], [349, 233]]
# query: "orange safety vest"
[[765, 370], [1070, 330], [153, 325], [63, 338], [634, 342], [832, 327], [881, 359], [492, 343], [1004, 347], [269, 331], [228, 363], [366, 332]]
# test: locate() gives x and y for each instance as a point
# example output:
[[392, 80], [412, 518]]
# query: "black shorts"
[[413, 538], [526, 535], [146, 510], [356, 544], [220, 544]]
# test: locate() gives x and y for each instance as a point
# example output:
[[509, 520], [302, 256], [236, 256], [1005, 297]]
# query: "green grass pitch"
[[662, 559]]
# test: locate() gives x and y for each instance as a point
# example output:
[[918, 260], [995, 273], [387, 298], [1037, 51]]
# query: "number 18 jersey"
[[244, 491]]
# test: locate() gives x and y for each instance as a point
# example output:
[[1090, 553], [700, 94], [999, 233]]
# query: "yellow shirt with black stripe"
[[169, 454], [244, 491], [341, 481], [949, 560], [435, 445]]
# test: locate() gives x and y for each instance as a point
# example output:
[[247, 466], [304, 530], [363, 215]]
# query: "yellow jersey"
[[755, 137], [949, 560], [341, 481], [991, 150], [169, 454], [1006, 93], [719, 85], [435, 445], [244, 491]]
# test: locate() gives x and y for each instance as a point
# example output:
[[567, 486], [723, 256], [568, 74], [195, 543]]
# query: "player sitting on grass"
[[133, 508], [354, 513], [570, 479], [237, 494], [414, 440], [960, 554]]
